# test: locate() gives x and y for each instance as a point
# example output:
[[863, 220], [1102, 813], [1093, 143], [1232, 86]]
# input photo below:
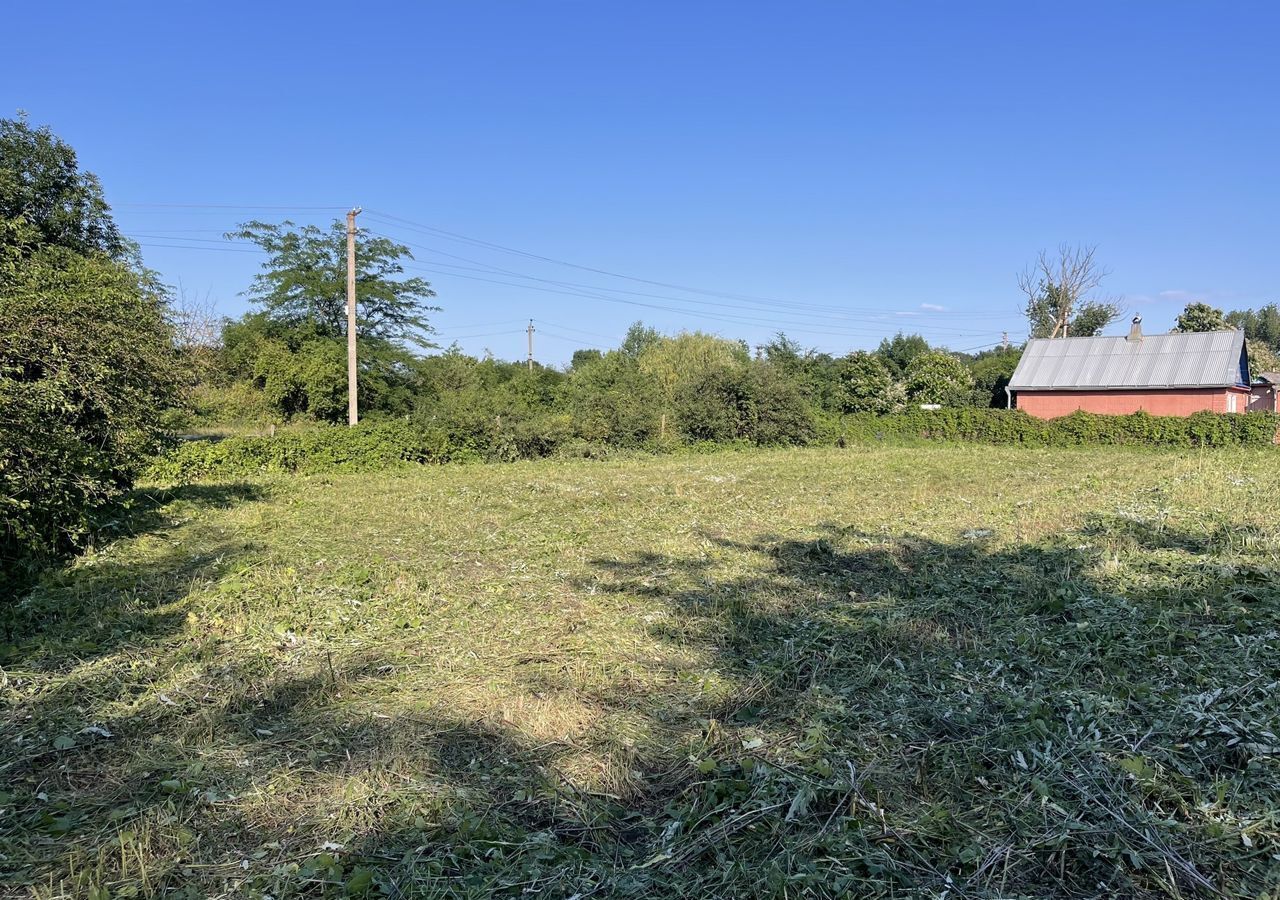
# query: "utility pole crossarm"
[[353, 408]]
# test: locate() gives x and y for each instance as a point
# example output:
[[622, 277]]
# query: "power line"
[[490, 269], [797, 327], [429, 229], [191, 247], [228, 206]]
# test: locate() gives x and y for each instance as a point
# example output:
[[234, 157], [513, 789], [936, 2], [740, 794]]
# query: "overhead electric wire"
[[428, 229], [819, 318], [797, 327], [190, 247], [229, 206], [821, 315]]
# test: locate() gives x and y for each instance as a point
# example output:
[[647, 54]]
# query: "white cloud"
[[933, 307], [906, 314]]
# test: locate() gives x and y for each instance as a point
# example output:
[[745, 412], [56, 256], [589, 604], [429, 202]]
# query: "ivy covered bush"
[[1011, 426]]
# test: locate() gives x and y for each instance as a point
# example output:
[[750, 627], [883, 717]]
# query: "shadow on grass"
[[83, 610], [903, 716]]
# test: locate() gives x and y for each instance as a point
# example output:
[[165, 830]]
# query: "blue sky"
[[837, 171]]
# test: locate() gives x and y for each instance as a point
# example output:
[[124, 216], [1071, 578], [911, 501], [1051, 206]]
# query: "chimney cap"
[[1135, 330]]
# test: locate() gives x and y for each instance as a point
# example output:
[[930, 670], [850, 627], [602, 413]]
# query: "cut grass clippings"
[[948, 671]]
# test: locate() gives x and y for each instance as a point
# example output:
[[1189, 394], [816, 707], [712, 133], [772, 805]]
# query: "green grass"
[[962, 672]]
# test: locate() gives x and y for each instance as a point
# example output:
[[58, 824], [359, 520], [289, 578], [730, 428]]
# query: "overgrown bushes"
[[387, 444], [1003, 426]]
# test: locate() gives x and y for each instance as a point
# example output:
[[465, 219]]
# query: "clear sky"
[[853, 168]]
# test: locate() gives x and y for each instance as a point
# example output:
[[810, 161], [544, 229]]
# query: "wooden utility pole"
[[353, 409], [530, 331]]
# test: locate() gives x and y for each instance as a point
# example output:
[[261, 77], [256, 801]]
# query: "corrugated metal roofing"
[[1204, 359]]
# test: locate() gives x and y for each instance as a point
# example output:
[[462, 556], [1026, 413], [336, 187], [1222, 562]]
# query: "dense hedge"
[[1005, 426], [366, 447], [381, 445]]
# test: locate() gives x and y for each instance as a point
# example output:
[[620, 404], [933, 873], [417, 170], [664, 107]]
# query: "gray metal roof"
[[1203, 359]]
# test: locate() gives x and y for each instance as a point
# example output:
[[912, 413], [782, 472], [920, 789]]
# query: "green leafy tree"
[[991, 374], [1201, 317], [937, 377], [304, 282], [1057, 289], [1261, 359], [638, 339], [87, 359], [867, 385], [43, 189], [898, 352], [1260, 326]]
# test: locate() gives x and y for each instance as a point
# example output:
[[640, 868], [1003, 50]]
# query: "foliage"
[[1261, 358], [1201, 317], [938, 377], [991, 373], [912, 672], [898, 352], [304, 282], [867, 385], [86, 370], [752, 403], [43, 188], [1011, 426], [1088, 319], [1057, 287], [1260, 326]]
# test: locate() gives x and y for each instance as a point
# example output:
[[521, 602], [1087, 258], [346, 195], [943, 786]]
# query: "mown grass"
[[898, 672]]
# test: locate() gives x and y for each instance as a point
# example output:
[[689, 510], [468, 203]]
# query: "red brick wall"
[[1171, 402]]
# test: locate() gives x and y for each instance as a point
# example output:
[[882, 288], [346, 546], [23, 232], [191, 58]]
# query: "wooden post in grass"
[[353, 410]]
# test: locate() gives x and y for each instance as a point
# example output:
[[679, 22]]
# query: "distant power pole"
[[1004, 341], [530, 331], [353, 409]]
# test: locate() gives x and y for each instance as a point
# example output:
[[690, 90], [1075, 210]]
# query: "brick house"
[[1162, 374]]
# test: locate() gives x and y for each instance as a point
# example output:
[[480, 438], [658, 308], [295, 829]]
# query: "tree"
[[42, 188], [87, 360], [937, 377], [304, 281], [1261, 359], [638, 339], [991, 372], [584, 357], [898, 352], [1260, 326], [867, 385], [1201, 317], [1057, 289]]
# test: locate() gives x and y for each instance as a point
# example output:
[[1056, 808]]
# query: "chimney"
[[1135, 330]]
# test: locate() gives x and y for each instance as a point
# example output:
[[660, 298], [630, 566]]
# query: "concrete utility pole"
[[530, 331], [353, 409], [1004, 341]]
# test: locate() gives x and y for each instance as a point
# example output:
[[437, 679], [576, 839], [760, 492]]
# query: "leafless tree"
[[1058, 287], [197, 330]]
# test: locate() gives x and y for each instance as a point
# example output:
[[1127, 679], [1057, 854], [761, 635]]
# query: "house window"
[[1231, 401]]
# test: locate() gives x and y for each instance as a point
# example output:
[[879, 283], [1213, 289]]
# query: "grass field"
[[962, 672]]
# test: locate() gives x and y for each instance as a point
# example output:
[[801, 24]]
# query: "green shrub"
[[367, 447], [1005, 426], [87, 371]]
